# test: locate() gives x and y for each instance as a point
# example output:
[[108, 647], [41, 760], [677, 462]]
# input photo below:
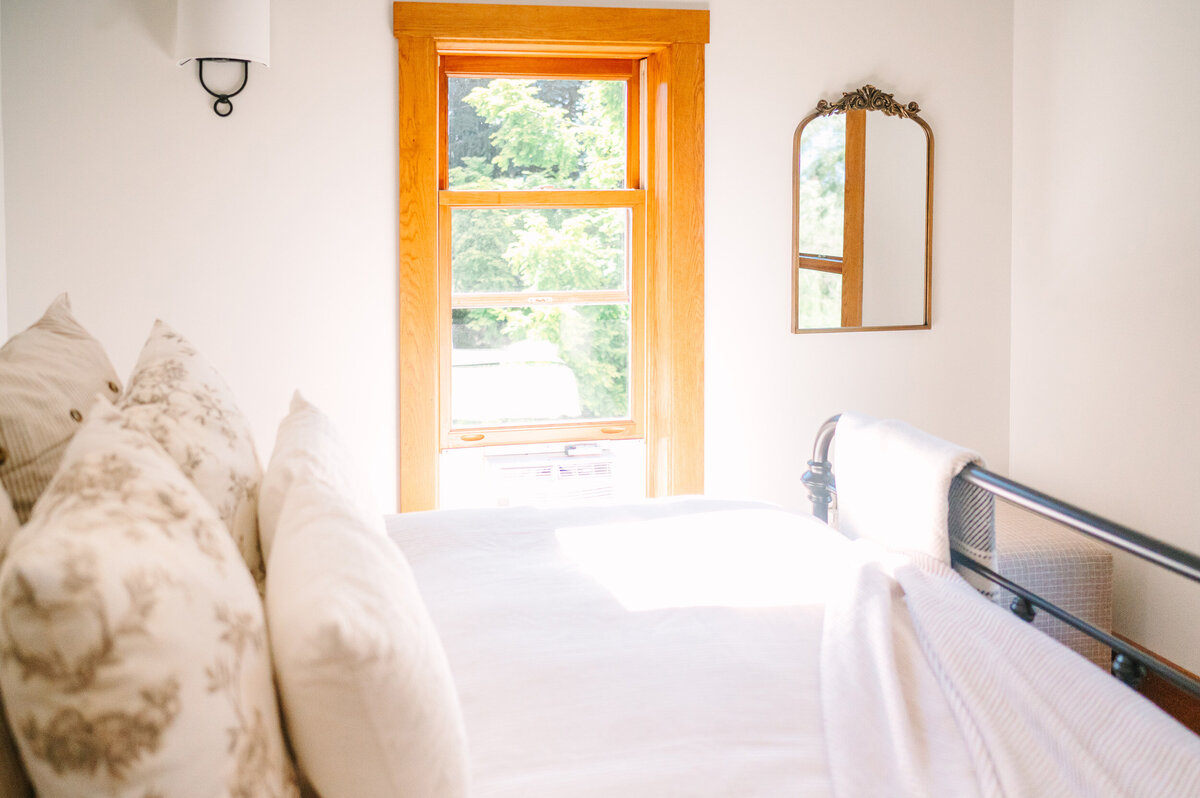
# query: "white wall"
[[893, 278], [767, 390], [270, 237], [1106, 281]]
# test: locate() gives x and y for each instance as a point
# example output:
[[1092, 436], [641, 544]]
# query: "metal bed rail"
[[1130, 664]]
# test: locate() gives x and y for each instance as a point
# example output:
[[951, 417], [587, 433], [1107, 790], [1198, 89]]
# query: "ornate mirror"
[[862, 201]]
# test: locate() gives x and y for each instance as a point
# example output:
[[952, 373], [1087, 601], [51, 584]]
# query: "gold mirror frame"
[[868, 98]]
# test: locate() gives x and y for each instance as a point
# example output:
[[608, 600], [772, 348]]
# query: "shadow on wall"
[[156, 17]]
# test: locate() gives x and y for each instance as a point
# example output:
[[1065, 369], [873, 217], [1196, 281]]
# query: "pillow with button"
[[49, 377]]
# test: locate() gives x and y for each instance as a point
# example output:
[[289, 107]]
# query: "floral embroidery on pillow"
[[128, 647], [180, 401]]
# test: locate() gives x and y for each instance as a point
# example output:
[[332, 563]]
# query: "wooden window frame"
[[669, 167]]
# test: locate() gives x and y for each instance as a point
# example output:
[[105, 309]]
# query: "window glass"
[[507, 133], [821, 206], [518, 365], [820, 299], [543, 249]]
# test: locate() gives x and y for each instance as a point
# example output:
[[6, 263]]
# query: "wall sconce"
[[223, 30]]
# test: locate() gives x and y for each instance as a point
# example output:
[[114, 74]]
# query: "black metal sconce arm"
[[222, 106]]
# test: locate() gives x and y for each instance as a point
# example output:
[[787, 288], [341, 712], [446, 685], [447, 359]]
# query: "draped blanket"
[[927, 688]]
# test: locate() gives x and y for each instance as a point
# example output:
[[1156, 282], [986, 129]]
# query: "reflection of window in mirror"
[[830, 221]]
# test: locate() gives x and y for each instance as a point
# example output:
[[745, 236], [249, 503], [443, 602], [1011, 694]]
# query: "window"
[[829, 231], [544, 227], [572, 270]]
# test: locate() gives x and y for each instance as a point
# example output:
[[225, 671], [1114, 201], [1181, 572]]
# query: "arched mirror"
[[862, 202]]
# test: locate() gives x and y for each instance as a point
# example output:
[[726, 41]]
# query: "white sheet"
[[692, 672]]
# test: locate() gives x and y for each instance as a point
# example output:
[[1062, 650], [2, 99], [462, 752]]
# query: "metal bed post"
[[819, 476]]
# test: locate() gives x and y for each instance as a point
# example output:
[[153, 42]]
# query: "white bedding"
[[579, 678], [675, 648]]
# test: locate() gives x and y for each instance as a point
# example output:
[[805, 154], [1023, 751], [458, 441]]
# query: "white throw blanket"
[[893, 484], [924, 682]]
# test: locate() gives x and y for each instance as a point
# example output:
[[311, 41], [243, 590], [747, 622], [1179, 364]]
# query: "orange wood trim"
[[443, 128], [670, 102], [1179, 704], [675, 275], [548, 198], [536, 299], [445, 313], [831, 265], [633, 128], [548, 24], [852, 240], [635, 282], [418, 285], [471, 437], [476, 66]]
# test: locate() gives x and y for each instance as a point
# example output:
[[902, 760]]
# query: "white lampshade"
[[239, 29]]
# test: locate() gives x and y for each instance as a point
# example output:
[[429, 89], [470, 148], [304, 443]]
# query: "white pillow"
[[136, 658], [48, 376], [294, 455], [369, 703], [181, 401]]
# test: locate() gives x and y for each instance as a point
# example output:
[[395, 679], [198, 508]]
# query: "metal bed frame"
[[974, 484]]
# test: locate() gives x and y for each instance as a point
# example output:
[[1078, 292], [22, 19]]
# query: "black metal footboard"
[[970, 493]]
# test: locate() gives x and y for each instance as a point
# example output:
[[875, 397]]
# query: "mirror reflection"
[[862, 186]]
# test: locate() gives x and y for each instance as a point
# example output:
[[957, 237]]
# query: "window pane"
[[821, 206], [522, 365], [542, 249], [820, 300], [521, 133]]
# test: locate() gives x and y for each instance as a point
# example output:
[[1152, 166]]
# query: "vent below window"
[[553, 480], [544, 475]]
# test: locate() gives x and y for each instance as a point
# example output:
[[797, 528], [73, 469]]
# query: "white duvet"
[[674, 648]]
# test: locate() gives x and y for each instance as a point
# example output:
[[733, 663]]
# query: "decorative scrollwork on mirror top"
[[868, 98]]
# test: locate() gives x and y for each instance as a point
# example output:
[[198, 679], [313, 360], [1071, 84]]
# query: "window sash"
[[633, 199]]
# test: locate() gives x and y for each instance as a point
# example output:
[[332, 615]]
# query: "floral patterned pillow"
[[135, 658], [177, 397]]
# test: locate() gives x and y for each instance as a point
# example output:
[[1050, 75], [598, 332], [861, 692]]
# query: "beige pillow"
[[177, 397], [8, 521], [13, 781], [48, 376], [369, 702], [136, 659]]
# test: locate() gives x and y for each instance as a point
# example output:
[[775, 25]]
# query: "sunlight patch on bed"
[[735, 558]]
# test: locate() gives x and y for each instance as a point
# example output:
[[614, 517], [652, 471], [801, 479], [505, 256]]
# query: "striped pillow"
[[49, 377]]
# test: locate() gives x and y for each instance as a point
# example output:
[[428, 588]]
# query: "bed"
[[694, 647], [169, 611]]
